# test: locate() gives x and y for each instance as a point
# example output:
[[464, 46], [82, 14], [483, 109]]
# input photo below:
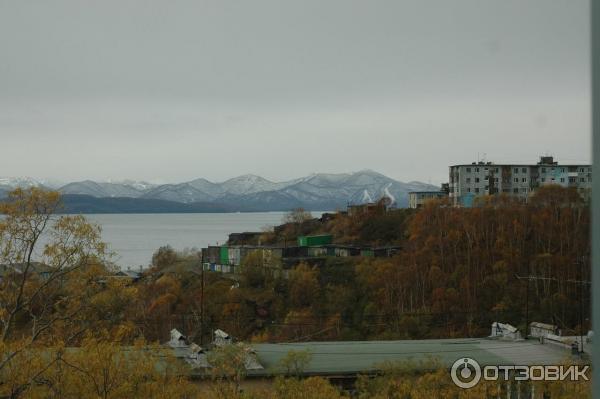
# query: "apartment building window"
[[581, 170], [524, 170], [477, 170], [476, 189], [572, 180], [516, 179], [562, 179], [543, 170], [524, 180], [496, 170], [515, 190], [468, 180], [516, 170], [496, 179], [524, 190], [468, 170], [477, 180], [562, 170], [468, 189], [582, 179]]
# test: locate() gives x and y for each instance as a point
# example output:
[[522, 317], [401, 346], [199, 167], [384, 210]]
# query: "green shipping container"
[[306, 241], [224, 256]]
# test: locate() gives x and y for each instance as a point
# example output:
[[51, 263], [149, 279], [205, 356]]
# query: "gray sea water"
[[135, 237]]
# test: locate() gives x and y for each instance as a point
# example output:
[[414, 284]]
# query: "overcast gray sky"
[[173, 90]]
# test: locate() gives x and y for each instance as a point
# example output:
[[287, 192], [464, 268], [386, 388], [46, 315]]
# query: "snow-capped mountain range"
[[317, 191]]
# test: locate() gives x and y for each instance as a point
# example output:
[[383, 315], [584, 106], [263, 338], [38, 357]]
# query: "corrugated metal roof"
[[354, 357], [368, 356]]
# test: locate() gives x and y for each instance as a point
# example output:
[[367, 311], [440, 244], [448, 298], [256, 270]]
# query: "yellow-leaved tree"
[[64, 320], [103, 369], [38, 254]]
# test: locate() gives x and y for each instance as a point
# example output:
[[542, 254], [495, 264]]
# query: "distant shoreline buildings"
[[470, 181]]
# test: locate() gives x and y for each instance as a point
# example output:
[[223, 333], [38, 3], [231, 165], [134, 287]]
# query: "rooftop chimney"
[[547, 160]]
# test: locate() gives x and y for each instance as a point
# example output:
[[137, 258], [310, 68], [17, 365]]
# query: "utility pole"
[[581, 303], [527, 305], [201, 299]]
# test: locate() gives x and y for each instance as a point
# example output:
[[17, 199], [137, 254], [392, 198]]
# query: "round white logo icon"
[[465, 372]]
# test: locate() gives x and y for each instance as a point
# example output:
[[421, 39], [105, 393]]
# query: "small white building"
[[543, 330], [505, 331], [178, 340], [221, 338], [197, 357]]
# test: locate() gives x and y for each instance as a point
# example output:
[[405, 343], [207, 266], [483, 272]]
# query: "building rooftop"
[[545, 160], [494, 165], [343, 358], [348, 358]]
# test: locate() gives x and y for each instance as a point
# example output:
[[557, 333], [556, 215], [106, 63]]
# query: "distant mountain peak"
[[249, 177], [248, 184], [23, 182], [367, 171], [317, 191], [138, 184]]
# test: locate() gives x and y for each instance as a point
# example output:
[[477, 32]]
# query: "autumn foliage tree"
[[463, 268], [56, 291]]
